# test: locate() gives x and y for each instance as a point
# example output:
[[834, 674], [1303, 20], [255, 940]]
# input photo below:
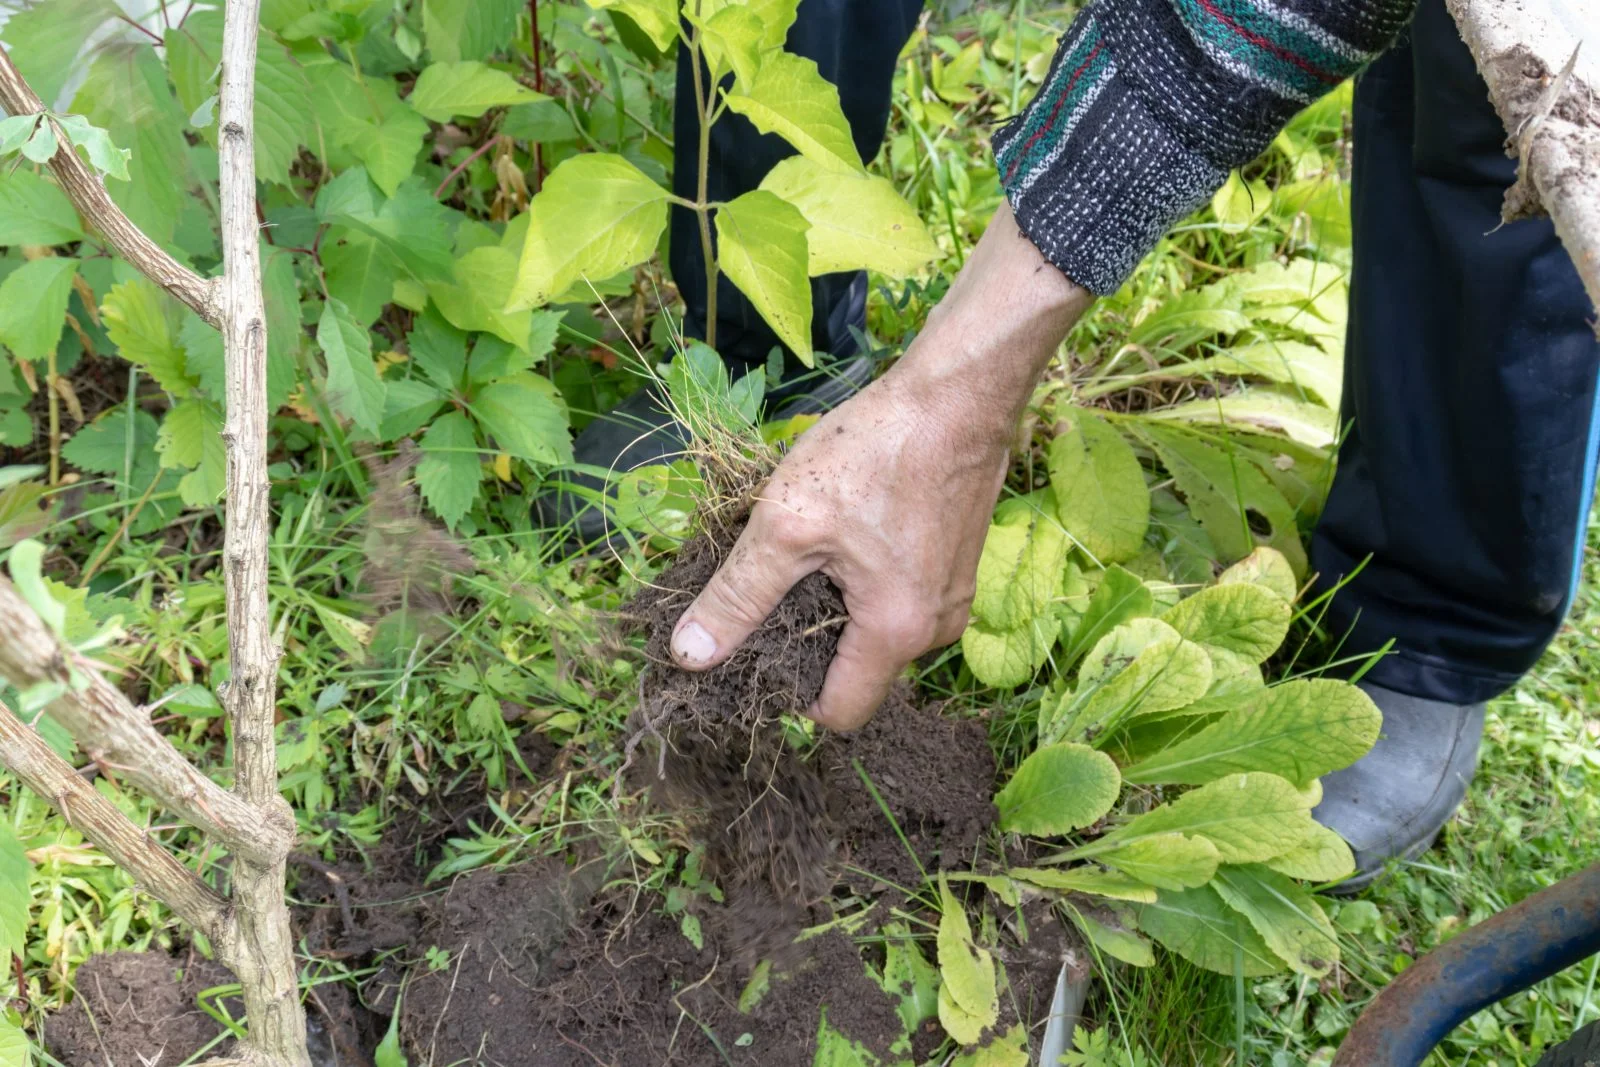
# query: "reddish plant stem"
[[538, 83], [463, 165]]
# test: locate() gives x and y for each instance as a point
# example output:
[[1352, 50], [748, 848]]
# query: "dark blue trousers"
[[1464, 484]]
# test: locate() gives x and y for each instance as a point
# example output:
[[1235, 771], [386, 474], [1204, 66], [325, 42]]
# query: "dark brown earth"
[[539, 978], [138, 1008]]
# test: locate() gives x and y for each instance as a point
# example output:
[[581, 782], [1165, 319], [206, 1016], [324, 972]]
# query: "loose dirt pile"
[[138, 1008]]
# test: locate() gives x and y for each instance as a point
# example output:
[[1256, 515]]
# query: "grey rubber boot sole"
[[1391, 804]]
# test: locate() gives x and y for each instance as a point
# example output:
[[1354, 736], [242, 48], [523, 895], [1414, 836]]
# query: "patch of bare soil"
[[540, 978], [138, 1008]]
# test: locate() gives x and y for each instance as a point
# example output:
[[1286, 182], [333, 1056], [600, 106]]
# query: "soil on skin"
[[540, 978], [137, 1008]]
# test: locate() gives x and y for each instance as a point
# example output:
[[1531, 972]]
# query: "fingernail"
[[693, 645]]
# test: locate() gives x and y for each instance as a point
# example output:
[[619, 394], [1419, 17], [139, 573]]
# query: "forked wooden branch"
[[120, 737], [1541, 60], [88, 194], [103, 823]]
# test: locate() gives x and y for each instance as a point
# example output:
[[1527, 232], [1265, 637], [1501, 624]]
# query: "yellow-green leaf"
[[966, 1027], [1009, 1049], [657, 18], [1239, 203], [1109, 884], [1265, 567], [1004, 658], [15, 1050], [1197, 925], [139, 320], [761, 245], [1322, 857], [1240, 617], [1288, 918], [597, 215], [1167, 861], [191, 437], [34, 210], [1299, 730], [1114, 939], [1057, 789], [966, 969], [1020, 570], [1140, 668], [730, 39], [468, 88], [858, 221], [1101, 496], [1248, 817], [791, 98]]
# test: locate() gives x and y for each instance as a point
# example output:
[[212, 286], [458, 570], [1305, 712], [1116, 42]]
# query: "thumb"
[[737, 599]]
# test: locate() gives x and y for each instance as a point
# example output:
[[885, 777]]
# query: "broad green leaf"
[[966, 968], [775, 16], [44, 40], [1239, 508], [1249, 817], [910, 979], [791, 98], [139, 318], [1101, 496], [203, 360], [1057, 789], [415, 228], [527, 418], [28, 576], [1245, 619], [15, 1050], [469, 29], [1322, 857], [191, 438], [33, 306], [1141, 668], [483, 281], [1166, 861], [126, 93], [1022, 565], [467, 88], [1262, 410], [389, 1053], [1239, 203], [761, 246], [833, 1048], [41, 148], [1092, 880], [34, 210], [1288, 918], [1120, 596], [439, 350], [1310, 368], [354, 388], [450, 472], [14, 896], [858, 221], [110, 445], [1005, 658], [492, 360], [1264, 567], [1113, 938], [597, 215], [1299, 730], [285, 334], [657, 18], [15, 131], [389, 149], [409, 404], [1197, 925], [730, 39], [966, 1027], [360, 273]]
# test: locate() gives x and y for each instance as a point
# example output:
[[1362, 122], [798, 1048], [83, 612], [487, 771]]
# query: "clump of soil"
[[935, 776], [540, 978], [138, 1008]]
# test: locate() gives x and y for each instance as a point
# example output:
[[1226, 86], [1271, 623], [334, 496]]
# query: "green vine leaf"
[[450, 472], [34, 210], [33, 306], [858, 221], [354, 388], [657, 18], [468, 88], [597, 215], [761, 245], [792, 99]]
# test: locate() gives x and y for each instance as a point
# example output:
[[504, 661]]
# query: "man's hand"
[[890, 495]]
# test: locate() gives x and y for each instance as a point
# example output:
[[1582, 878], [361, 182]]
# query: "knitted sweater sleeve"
[[1150, 103]]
